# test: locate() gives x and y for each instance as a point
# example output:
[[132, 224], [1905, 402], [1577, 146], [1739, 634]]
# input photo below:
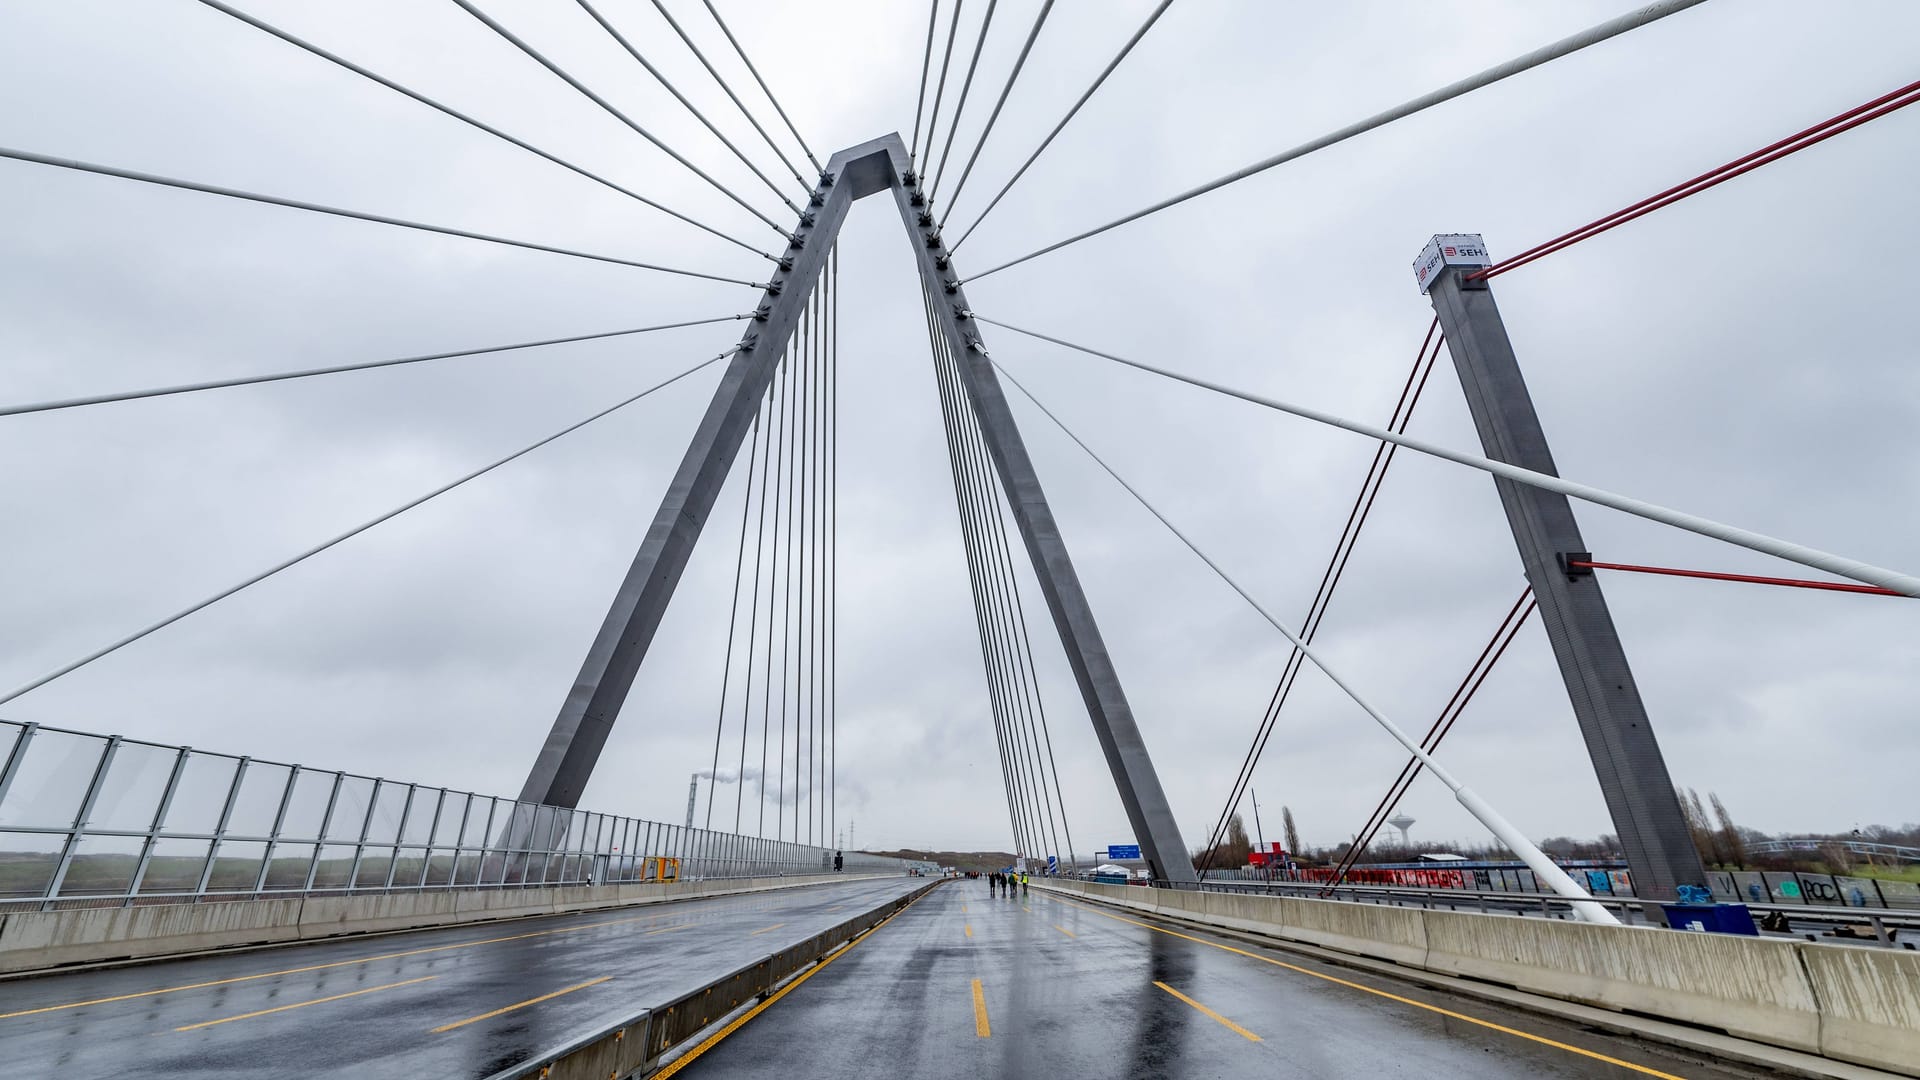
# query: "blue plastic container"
[[1711, 918]]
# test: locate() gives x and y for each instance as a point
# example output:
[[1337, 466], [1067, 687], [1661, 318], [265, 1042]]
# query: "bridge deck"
[[1068, 990], [402, 1005]]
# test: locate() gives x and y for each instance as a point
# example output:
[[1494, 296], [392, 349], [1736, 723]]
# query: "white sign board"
[[1449, 249]]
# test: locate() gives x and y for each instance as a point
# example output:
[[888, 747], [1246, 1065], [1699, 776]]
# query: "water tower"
[[1403, 823]]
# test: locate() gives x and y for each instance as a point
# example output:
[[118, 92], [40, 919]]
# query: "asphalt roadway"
[[961, 984], [458, 1002]]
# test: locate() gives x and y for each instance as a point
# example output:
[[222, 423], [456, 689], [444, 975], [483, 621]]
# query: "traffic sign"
[[1123, 851]]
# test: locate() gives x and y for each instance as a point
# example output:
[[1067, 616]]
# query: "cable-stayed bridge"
[[199, 911]]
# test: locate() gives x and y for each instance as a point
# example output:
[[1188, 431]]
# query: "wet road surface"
[[961, 984], [458, 1002]]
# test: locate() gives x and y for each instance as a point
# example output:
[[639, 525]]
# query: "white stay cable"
[[1591, 36], [1906, 584], [69, 668], [1543, 867]]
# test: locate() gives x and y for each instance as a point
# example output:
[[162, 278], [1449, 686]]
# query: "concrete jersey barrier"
[[1851, 1004], [34, 941]]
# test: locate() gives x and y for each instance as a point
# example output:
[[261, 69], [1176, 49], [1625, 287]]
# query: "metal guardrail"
[[1886, 923], [636, 1045], [1814, 843], [103, 821]]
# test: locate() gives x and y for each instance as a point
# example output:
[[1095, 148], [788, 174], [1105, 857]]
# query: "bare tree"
[[1696, 814], [1732, 843], [1292, 834], [1234, 851]]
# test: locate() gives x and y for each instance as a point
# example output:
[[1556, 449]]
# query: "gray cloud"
[[1740, 354]]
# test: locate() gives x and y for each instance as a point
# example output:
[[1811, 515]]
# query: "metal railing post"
[[486, 834], [159, 818], [366, 826], [14, 758], [433, 830], [459, 844], [79, 822], [220, 827], [279, 826], [326, 822], [400, 833]]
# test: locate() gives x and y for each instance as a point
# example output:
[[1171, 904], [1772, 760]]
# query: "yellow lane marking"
[[968, 928], [1064, 930], [1235, 1028], [764, 929], [1026, 909], [665, 929], [1544, 1041], [324, 967], [713, 1040], [304, 1004], [520, 1005], [980, 1025], [963, 909]]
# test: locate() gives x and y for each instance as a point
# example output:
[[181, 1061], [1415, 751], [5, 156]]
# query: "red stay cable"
[[1818, 133], [1751, 579]]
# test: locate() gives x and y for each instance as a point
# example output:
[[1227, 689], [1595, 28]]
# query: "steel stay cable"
[[612, 31], [940, 88], [1004, 588], [733, 614], [610, 109], [1057, 128], [75, 665], [251, 380], [1018, 63], [1574, 43], [833, 547], [1412, 770], [798, 360], [1031, 671], [785, 376], [960, 106], [1906, 584], [1025, 797], [1748, 579], [803, 533], [1381, 810], [926, 64], [1800, 140], [825, 586], [818, 505], [937, 346], [1014, 624], [1496, 823], [805, 682], [803, 621], [77, 165], [1018, 789], [753, 618], [785, 163], [1495, 648], [755, 72], [986, 511], [269, 28], [815, 652], [1357, 515]]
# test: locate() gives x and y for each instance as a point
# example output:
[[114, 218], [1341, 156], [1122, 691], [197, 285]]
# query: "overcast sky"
[[1746, 355]]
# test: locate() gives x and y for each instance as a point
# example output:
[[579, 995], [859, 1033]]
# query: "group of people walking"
[[998, 882]]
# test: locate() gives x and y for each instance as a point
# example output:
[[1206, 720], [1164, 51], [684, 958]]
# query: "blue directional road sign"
[[1053, 864], [1123, 851]]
